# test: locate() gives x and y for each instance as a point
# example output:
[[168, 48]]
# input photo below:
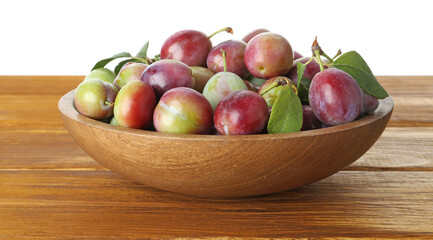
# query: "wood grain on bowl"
[[225, 166]]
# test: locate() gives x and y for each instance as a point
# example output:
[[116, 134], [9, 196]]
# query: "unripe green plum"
[[220, 85], [201, 76], [113, 121], [104, 74], [130, 72], [183, 110], [271, 88], [94, 98], [134, 105]]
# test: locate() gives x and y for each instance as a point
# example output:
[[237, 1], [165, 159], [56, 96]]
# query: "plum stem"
[[337, 54], [224, 59], [327, 57], [317, 51], [226, 29], [109, 103], [319, 60], [281, 81]]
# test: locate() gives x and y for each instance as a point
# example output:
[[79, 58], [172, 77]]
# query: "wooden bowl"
[[215, 166]]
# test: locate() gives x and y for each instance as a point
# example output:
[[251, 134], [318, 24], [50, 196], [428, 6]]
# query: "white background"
[[68, 37]]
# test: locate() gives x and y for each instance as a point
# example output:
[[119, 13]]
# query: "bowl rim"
[[67, 109]]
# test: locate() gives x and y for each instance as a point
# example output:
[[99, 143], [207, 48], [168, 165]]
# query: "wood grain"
[[99, 204], [51, 189]]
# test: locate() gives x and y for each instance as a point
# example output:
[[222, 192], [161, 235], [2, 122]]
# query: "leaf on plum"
[[286, 114], [105, 61], [353, 64]]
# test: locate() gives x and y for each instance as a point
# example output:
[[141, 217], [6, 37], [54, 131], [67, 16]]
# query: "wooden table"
[[50, 188]]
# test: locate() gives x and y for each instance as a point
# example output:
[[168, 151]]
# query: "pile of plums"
[[195, 88]]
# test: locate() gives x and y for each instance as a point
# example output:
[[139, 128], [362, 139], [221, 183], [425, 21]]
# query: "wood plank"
[[38, 85], [100, 204], [399, 148], [30, 112], [407, 85]]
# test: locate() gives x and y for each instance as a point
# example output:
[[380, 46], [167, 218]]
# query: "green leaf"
[[286, 113], [353, 64], [303, 83], [353, 59], [105, 61], [303, 88], [143, 51], [300, 69]]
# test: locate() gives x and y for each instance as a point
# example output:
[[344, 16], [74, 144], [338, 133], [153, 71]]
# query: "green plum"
[[113, 121], [101, 73], [220, 85], [271, 88], [95, 98], [130, 72]]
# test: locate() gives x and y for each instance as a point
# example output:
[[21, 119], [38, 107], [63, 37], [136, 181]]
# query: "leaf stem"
[[141, 59], [226, 29]]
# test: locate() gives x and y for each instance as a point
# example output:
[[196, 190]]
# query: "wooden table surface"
[[50, 188]]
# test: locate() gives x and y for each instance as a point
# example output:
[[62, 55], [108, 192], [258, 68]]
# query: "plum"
[[183, 110], [268, 55], [201, 75], [335, 97], [220, 85], [234, 58], [166, 74], [95, 98], [310, 70], [369, 103], [129, 72], [270, 89], [189, 46], [310, 121], [241, 112], [253, 33], [134, 105], [296, 55], [104, 74]]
